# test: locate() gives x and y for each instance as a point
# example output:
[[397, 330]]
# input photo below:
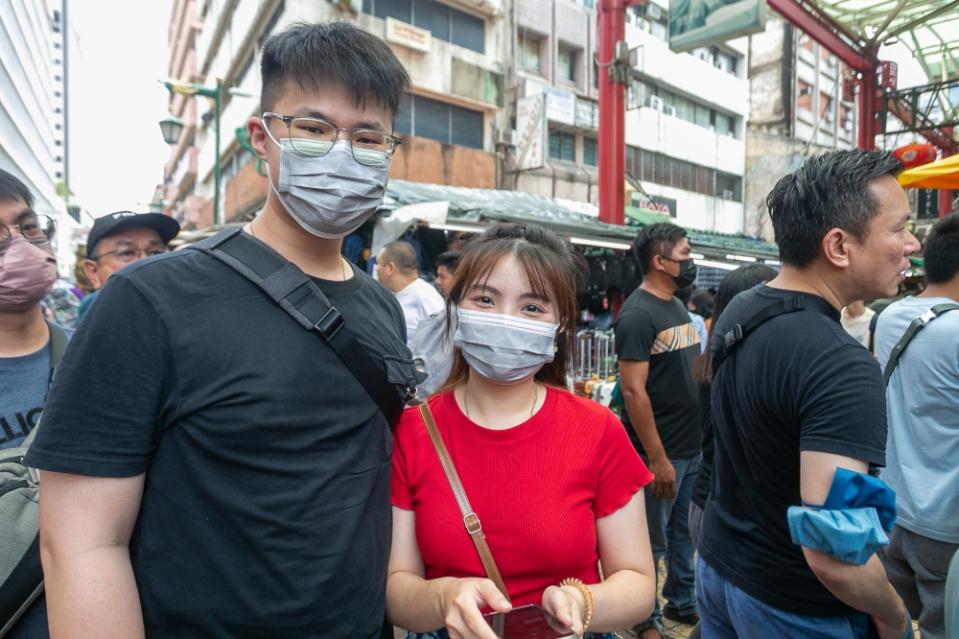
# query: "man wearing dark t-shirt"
[[796, 399], [656, 343], [210, 468]]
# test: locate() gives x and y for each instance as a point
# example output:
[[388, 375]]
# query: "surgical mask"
[[328, 192], [27, 273], [503, 348], [687, 273]]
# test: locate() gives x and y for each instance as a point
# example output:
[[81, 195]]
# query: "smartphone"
[[527, 622]]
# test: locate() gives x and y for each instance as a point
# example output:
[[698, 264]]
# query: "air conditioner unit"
[[505, 137], [847, 125], [726, 194], [654, 102], [669, 110]]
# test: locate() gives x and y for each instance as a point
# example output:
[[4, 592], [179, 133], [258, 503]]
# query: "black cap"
[[165, 226]]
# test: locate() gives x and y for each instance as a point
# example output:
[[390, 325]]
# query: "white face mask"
[[504, 348], [329, 194]]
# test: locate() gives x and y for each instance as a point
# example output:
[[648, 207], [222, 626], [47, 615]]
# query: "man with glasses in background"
[[120, 239], [211, 468]]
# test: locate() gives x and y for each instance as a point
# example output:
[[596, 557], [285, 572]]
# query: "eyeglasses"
[[128, 254], [314, 137], [36, 229]]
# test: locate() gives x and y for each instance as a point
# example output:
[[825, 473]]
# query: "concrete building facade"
[[33, 107]]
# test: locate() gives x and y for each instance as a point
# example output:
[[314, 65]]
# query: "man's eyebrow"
[[365, 124]]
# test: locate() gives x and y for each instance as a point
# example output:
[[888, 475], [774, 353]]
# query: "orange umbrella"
[[943, 174]]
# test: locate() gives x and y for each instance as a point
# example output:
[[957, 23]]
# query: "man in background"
[[398, 270]]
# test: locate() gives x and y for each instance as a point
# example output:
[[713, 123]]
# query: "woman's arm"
[[422, 605], [626, 596]]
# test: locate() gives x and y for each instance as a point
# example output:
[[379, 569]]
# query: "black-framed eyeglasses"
[[129, 254], [36, 229], [314, 137]]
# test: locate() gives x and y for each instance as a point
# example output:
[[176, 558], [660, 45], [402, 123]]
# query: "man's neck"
[[808, 280], [316, 256], [402, 284], [949, 290], [658, 286], [22, 332]]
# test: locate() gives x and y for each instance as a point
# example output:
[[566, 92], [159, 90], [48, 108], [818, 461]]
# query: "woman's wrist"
[[582, 594]]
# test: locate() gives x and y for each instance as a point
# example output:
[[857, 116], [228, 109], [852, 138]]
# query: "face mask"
[[503, 348], [27, 273], [687, 273], [328, 192]]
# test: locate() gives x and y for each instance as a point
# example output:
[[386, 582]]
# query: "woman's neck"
[[499, 406], [22, 332]]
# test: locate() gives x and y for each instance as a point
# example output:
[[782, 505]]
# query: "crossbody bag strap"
[[914, 327], [299, 296], [470, 519]]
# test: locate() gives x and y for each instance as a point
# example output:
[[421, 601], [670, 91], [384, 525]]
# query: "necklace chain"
[[466, 400]]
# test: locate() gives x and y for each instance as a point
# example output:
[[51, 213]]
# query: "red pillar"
[[611, 25], [868, 109]]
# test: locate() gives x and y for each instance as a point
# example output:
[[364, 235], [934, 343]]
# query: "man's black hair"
[[656, 239], [11, 188], [314, 55], [941, 251], [449, 259], [828, 191]]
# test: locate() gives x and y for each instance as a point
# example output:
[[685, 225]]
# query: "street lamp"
[[174, 125], [171, 127]]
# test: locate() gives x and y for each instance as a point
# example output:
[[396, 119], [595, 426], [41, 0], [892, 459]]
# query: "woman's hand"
[[567, 605], [461, 601]]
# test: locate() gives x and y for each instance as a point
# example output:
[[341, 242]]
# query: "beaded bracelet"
[[584, 590]]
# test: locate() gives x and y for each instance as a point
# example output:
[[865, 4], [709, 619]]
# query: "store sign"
[[406, 35], [703, 24], [561, 107], [531, 129], [655, 204]]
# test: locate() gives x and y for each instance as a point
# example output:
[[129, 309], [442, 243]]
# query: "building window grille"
[[442, 21], [562, 146], [589, 151], [529, 46], [447, 123]]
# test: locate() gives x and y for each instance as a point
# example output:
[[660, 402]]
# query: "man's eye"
[[155, 251]]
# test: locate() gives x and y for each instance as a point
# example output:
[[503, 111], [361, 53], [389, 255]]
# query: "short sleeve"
[[112, 391], [842, 406], [635, 335], [621, 471], [401, 491]]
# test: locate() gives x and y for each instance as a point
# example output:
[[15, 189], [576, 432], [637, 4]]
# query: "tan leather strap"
[[470, 520]]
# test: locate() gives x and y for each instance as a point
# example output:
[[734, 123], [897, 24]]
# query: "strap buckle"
[[928, 316], [472, 523], [732, 336], [330, 324]]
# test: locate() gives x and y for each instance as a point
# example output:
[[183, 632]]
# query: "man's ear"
[[90, 270], [835, 247], [258, 137]]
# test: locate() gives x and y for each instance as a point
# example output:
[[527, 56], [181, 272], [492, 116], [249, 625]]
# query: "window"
[[658, 30], [562, 146], [701, 116], [668, 171], [441, 20], [529, 46], [725, 124], [729, 187], [724, 61], [439, 121], [589, 151], [566, 67], [804, 96]]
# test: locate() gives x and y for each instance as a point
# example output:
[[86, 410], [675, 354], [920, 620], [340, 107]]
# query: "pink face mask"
[[27, 273]]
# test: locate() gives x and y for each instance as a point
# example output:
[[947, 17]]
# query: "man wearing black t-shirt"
[[210, 468], [656, 343], [796, 399]]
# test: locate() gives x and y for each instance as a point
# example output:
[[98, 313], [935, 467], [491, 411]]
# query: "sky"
[[119, 52]]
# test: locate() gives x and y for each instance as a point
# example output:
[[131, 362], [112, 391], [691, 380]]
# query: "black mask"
[[687, 272]]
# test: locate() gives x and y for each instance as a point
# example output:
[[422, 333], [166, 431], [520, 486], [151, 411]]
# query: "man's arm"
[[632, 376], [85, 528], [865, 587]]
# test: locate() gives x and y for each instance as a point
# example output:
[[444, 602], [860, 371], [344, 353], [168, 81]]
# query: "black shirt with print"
[[650, 329]]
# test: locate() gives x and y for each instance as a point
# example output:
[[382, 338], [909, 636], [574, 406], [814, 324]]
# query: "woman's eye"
[[532, 308], [483, 299]]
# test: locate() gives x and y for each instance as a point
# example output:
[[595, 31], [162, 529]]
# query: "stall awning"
[[942, 174]]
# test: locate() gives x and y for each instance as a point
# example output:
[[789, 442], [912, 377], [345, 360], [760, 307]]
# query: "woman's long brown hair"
[[554, 271]]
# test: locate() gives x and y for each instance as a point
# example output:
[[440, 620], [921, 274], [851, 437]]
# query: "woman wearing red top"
[[552, 476]]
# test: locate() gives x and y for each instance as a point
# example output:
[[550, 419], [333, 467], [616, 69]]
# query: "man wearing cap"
[[122, 238]]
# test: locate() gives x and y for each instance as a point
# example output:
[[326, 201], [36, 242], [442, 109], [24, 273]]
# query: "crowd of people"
[[252, 437]]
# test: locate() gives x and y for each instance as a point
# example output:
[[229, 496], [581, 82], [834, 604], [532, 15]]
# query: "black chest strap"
[[297, 294], [911, 331]]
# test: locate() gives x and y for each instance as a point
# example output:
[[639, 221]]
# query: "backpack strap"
[[58, 344], [297, 294], [914, 327], [738, 332]]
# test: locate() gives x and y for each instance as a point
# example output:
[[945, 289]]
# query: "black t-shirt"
[[661, 332], [798, 382], [266, 508]]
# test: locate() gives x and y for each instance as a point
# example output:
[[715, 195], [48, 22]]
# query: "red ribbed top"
[[538, 489]]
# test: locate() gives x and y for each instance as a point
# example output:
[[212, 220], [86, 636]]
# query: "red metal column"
[[868, 100], [611, 25]]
